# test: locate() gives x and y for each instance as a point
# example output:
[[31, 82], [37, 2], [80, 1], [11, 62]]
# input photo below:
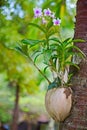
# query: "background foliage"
[[14, 18]]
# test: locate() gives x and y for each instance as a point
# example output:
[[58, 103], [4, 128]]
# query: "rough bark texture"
[[15, 112], [78, 117]]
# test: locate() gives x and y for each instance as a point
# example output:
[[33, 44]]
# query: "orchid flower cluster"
[[38, 13]]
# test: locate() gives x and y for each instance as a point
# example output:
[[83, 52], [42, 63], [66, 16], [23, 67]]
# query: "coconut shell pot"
[[58, 102]]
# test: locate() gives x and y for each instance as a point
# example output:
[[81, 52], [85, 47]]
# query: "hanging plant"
[[57, 56]]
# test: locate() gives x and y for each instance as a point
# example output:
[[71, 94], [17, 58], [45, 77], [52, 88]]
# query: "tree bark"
[[15, 112], [78, 117]]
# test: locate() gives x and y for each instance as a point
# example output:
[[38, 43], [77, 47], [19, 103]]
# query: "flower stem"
[[39, 70]]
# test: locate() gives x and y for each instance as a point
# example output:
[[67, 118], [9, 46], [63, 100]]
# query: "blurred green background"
[[14, 18]]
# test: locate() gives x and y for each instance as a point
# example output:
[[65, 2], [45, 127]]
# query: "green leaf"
[[69, 77], [80, 55], [68, 40], [31, 42], [37, 26], [75, 47], [25, 48], [78, 40], [55, 39], [49, 25], [67, 43], [73, 64], [52, 85], [37, 57], [19, 49], [47, 55], [36, 52], [45, 68], [55, 84]]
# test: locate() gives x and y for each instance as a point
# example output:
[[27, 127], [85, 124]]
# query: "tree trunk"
[[78, 117], [15, 112]]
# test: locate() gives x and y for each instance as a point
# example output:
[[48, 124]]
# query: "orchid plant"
[[57, 53]]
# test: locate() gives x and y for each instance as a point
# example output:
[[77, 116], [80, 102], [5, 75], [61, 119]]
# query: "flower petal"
[[56, 21], [37, 12], [47, 12]]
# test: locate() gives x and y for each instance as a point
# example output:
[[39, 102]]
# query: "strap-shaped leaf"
[[68, 40], [78, 40], [47, 55], [75, 47], [37, 57], [46, 68], [31, 42], [37, 26], [19, 49], [55, 84], [55, 39], [67, 43], [36, 52], [72, 64], [52, 85]]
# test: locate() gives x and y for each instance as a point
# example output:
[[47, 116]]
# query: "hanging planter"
[[57, 56], [58, 102]]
